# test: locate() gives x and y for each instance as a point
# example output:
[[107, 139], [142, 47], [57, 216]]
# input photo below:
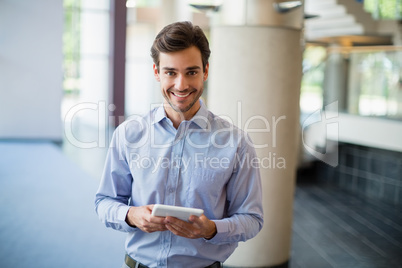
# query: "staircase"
[[335, 19]]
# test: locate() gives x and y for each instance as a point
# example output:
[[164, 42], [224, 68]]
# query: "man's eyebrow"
[[188, 68], [169, 69], [193, 68]]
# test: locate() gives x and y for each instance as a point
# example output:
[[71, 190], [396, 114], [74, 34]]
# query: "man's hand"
[[198, 227], [141, 218]]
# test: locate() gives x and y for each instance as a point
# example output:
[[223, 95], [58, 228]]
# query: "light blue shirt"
[[205, 163]]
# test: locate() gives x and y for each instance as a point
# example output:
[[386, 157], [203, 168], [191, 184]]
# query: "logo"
[[320, 134]]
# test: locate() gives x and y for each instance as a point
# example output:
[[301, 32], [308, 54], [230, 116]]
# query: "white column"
[[335, 78], [254, 81], [172, 11]]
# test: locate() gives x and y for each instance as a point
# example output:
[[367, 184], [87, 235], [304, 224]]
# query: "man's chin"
[[181, 109], [179, 106]]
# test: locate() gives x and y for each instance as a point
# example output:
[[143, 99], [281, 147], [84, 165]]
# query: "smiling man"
[[182, 77], [180, 154]]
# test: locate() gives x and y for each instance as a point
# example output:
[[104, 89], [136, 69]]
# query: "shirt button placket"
[[170, 197], [175, 166]]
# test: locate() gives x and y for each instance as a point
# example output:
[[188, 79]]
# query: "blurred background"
[[72, 70]]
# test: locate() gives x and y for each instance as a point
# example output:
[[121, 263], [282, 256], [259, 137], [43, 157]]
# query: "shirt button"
[[171, 190]]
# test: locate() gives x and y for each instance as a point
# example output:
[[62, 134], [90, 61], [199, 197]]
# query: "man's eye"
[[192, 73], [170, 73]]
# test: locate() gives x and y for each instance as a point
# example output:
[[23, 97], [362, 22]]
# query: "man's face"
[[182, 80]]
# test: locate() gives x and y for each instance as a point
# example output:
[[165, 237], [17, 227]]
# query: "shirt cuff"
[[222, 231], [121, 217]]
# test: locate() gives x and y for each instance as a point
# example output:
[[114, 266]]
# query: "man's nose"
[[181, 83]]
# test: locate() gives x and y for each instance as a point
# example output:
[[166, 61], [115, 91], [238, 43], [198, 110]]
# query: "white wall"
[[142, 90], [31, 69]]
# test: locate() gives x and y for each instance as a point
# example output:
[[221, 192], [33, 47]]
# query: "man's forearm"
[[113, 214], [240, 227]]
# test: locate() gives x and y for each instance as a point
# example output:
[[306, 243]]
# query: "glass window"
[[311, 95], [375, 83], [86, 55]]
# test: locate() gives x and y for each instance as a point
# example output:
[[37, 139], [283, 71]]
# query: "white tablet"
[[181, 213]]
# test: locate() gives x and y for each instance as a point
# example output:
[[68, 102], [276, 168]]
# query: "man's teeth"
[[181, 96]]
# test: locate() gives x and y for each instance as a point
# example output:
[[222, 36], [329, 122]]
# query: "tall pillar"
[[118, 26], [172, 11], [254, 81], [336, 78]]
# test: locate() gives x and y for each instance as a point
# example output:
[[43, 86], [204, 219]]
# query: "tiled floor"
[[333, 228]]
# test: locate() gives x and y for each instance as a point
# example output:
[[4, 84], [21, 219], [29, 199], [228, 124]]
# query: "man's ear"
[[206, 71], [156, 73]]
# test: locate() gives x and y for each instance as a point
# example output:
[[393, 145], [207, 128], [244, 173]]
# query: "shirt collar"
[[200, 118], [159, 114]]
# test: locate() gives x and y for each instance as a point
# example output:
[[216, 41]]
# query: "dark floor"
[[333, 228]]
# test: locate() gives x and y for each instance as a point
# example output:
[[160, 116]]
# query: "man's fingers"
[[154, 225], [182, 228], [141, 218], [157, 220], [196, 220], [177, 230]]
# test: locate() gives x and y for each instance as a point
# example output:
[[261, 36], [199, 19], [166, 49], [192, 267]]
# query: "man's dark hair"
[[179, 36]]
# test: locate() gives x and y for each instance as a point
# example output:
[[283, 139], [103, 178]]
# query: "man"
[[180, 154]]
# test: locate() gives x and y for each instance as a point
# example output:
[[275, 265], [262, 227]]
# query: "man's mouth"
[[181, 95]]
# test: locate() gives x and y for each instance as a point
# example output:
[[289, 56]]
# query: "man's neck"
[[178, 117]]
